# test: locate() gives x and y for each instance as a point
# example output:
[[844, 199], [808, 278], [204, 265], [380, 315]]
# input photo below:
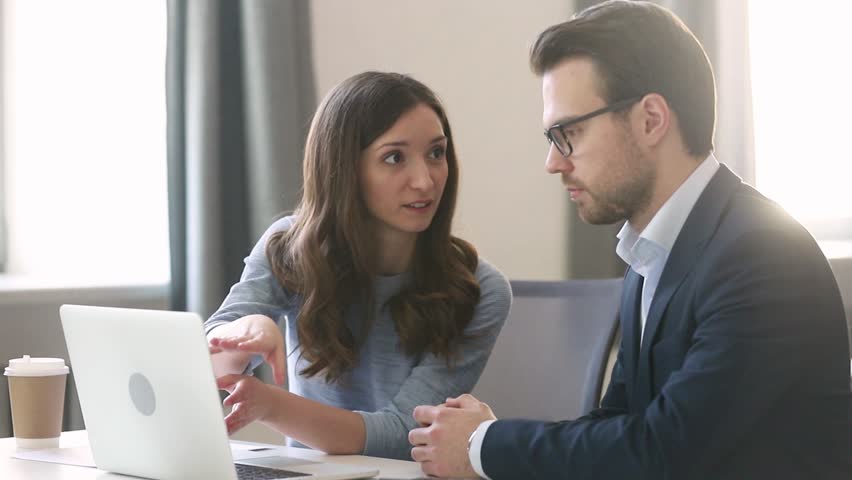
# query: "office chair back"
[[549, 361]]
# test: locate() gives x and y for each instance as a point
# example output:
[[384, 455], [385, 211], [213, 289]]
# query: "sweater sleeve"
[[431, 382], [258, 291]]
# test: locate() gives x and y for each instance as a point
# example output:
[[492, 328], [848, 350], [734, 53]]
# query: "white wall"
[[474, 54]]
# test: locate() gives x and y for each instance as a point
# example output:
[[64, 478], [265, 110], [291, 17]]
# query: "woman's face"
[[402, 174]]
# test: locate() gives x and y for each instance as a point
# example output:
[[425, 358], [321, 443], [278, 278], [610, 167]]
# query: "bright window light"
[[86, 149], [801, 74]]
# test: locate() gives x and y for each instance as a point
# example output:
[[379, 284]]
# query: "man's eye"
[[392, 158], [437, 153], [571, 132]]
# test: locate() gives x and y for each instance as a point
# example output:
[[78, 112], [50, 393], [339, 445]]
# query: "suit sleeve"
[[755, 299]]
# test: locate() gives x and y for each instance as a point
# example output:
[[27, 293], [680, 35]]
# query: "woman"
[[382, 307]]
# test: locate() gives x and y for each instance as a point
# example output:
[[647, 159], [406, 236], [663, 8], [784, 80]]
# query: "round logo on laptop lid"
[[142, 394]]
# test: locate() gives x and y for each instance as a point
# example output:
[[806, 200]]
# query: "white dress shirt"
[[646, 252]]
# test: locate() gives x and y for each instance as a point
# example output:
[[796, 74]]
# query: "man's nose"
[[555, 162]]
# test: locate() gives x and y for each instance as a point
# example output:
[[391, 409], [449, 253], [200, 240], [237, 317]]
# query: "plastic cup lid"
[[35, 367]]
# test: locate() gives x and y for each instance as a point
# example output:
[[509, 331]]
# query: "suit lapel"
[[697, 230]]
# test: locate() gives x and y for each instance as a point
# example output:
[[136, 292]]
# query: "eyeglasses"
[[556, 134]]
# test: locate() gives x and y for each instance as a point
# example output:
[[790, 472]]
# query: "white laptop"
[[151, 405]]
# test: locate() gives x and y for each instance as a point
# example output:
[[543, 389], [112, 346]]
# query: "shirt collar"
[[658, 238]]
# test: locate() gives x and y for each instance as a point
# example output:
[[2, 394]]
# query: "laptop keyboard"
[[253, 472]]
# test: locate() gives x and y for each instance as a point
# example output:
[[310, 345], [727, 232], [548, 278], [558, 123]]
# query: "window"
[[801, 72], [3, 240], [83, 98]]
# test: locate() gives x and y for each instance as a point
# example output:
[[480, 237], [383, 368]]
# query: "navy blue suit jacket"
[[743, 372]]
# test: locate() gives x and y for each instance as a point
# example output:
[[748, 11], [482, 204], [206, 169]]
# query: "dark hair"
[[639, 48], [328, 256]]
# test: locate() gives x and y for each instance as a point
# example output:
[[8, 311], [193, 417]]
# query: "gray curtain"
[[240, 94], [722, 27]]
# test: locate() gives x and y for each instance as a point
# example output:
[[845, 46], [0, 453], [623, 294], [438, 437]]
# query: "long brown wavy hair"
[[328, 256]]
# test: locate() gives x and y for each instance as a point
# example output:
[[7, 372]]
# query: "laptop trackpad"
[[275, 462]]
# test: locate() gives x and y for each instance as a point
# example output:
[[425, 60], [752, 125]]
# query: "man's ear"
[[655, 119]]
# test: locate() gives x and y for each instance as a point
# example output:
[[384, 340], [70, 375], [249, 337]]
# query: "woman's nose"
[[421, 177]]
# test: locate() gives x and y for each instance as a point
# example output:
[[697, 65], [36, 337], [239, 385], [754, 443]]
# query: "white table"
[[16, 469]]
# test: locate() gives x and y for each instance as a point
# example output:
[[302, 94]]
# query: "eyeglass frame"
[[560, 127]]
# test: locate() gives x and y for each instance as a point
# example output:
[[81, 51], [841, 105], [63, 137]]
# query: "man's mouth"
[[574, 192]]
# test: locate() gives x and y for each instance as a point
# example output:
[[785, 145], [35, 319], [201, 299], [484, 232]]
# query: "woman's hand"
[[251, 400], [252, 334]]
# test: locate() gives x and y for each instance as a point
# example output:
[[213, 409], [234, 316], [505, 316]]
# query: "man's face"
[[607, 175]]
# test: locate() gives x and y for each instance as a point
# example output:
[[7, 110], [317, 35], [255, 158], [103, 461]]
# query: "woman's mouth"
[[419, 205]]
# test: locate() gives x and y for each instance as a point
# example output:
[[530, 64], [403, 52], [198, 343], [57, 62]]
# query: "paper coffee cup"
[[37, 398]]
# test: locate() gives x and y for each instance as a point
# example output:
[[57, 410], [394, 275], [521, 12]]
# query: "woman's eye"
[[437, 153], [392, 158], [571, 132]]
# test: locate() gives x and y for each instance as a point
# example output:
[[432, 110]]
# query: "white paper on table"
[[244, 451], [81, 456], [243, 447], [78, 456]]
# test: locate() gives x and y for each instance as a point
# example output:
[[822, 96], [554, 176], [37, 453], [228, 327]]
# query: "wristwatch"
[[470, 438]]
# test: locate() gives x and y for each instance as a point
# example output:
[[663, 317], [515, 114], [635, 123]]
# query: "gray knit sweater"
[[386, 384]]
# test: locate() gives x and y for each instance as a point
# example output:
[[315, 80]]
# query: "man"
[[734, 358]]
